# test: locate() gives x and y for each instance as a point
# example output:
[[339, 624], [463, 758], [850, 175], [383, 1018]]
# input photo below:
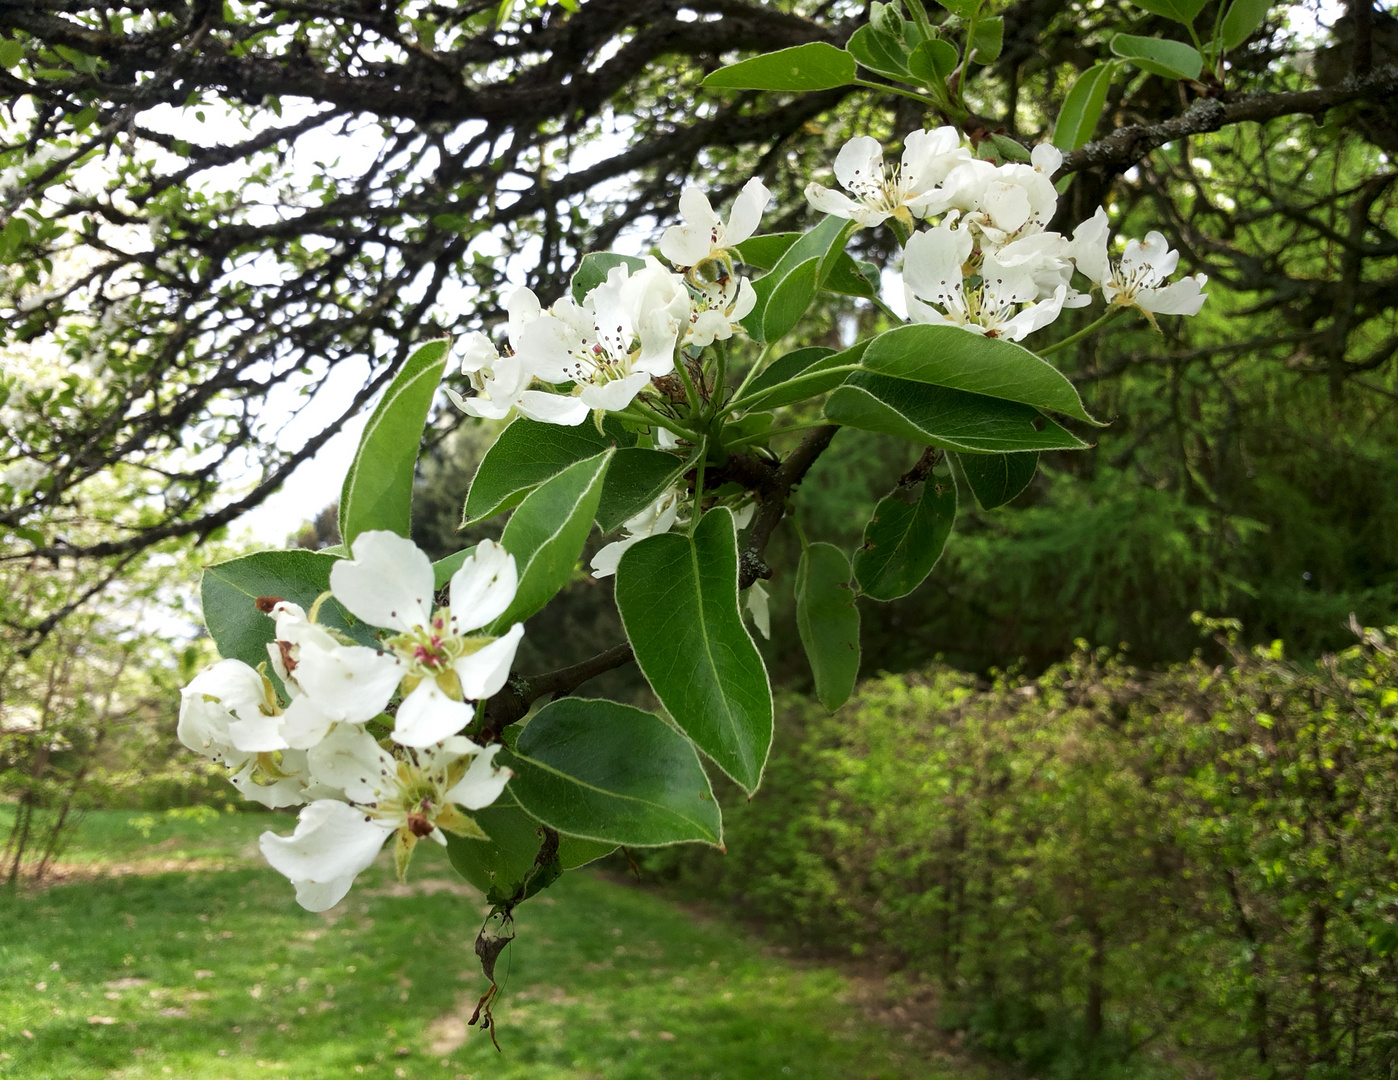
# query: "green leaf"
[[526, 454], [678, 598], [879, 53], [1170, 59], [612, 773], [803, 384], [828, 622], [949, 356], [1009, 149], [933, 61], [635, 479], [817, 66], [940, 416], [378, 489], [546, 534], [785, 291], [1082, 108], [501, 862], [443, 569], [593, 269], [988, 40], [1242, 20], [11, 53], [995, 479], [229, 590], [904, 539], [1181, 11], [787, 366], [844, 276]]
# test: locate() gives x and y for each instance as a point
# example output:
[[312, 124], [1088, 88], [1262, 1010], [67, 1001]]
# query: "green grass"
[[218, 974]]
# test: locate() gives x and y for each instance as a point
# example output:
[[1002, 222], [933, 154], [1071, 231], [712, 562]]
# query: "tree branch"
[[1126, 146]]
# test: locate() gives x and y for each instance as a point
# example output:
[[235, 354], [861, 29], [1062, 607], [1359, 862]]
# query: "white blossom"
[[705, 237], [610, 346], [389, 583], [229, 714], [23, 475], [903, 192], [328, 680], [1004, 302], [414, 796], [1138, 279], [1002, 202], [659, 517], [719, 309]]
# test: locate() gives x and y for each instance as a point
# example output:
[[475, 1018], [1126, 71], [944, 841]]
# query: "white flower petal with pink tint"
[[351, 759], [387, 582]]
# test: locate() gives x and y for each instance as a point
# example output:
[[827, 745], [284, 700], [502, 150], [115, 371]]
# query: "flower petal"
[[746, 213], [332, 843], [257, 734], [561, 409], [605, 562], [350, 759], [686, 245], [427, 716], [483, 587], [484, 672], [834, 203], [1182, 297], [304, 723], [859, 164], [348, 682], [615, 395], [387, 583], [482, 783]]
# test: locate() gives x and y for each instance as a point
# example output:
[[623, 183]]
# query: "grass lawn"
[[212, 971]]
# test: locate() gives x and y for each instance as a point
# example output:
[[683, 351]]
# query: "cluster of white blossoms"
[[988, 262], [626, 330], [314, 748]]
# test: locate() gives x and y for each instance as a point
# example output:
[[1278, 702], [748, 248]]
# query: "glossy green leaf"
[[1181, 11], [949, 356], [11, 53], [526, 454], [988, 40], [940, 416], [593, 269], [785, 291], [500, 863], [995, 479], [378, 489], [933, 61], [1242, 20], [678, 598], [612, 773], [635, 479], [443, 569], [817, 66], [1082, 108], [904, 539], [806, 383], [845, 275], [546, 534], [878, 52], [1010, 149], [229, 590], [828, 622], [1171, 59], [787, 366]]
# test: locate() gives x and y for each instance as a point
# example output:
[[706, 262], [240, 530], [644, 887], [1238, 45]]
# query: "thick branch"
[[1126, 146], [511, 704]]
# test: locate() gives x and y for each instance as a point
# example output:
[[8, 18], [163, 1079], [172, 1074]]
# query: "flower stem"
[[1092, 327], [756, 367], [690, 393], [703, 455], [881, 88], [644, 414]]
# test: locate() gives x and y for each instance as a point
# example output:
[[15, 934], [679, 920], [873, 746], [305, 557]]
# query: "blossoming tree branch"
[[374, 688]]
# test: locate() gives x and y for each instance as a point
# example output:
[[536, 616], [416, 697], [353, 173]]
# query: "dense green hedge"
[[1107, 871]]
